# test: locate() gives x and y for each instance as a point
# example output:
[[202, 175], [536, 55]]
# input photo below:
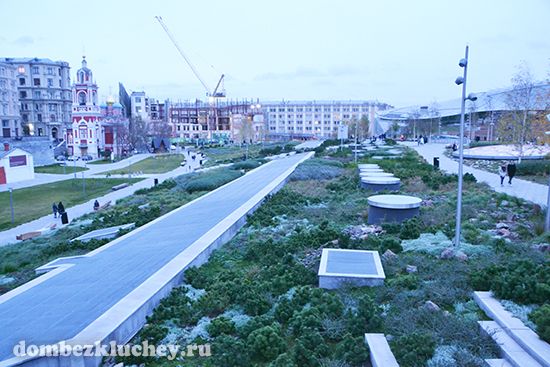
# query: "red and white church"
[[94, 127]]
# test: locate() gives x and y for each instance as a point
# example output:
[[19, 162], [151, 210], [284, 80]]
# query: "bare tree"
[[521, 101], [137, 131], [359, 127], [160, 129], [435, 115]]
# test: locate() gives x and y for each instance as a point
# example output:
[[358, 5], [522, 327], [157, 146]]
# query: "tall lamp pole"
[[11, 205], [463, 63], [547, 221]]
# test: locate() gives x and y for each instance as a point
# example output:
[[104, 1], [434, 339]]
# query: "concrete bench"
[[121, 186], [392, 208], [380, 352]]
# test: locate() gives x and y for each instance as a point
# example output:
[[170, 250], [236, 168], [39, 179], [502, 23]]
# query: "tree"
[[137, 133], [160, 129], [435, 115], [518, 125], [359, 127]]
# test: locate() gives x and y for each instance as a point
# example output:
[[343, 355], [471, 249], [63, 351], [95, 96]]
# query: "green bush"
[[266, 343], [317, 169], [522, 281], [413, 350], [271, 151], [206, 181], [534, 168], [410, 229], [541, 318], [246, 165], [221, 325], [230, 351]]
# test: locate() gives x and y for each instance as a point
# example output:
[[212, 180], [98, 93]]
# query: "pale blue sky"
[[396, 51]]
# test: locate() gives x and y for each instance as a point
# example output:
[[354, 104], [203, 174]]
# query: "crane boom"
[[184, 56], [215, 92]]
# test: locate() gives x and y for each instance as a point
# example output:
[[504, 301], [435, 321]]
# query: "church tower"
[[83, 138]]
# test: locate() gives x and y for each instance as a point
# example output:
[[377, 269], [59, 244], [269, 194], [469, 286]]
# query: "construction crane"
[[213, 95]]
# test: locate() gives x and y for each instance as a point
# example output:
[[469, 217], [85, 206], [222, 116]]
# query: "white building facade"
[[9, 102], [44, 90], [140, 106], [316, 119], [15, 165]]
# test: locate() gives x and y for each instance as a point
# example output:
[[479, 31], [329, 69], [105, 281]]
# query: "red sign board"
[[18, 160]]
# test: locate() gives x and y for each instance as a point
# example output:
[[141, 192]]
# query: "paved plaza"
[[68, 300]]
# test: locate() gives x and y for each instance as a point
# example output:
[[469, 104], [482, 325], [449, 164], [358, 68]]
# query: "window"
[[35, 69], [2, 83], [36, 94], [39, 117], [36, 82], [138, 99], [50, 71], [21, 81], [25, 117], [51, 107], [138, 109], [21, 69], [50, 83], [5, 123]]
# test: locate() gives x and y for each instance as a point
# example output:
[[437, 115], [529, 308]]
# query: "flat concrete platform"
[[103, 233], [105, 295], [367, 165], [380, 352], [357, 267]]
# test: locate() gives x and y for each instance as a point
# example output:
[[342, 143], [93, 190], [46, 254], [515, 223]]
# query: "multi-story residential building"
[[139, 106], [320, 119], [9, 102], [44, 95]]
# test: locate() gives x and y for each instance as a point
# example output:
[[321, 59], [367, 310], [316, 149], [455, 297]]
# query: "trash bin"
[[156, 181], [436, 162], [64, 218]]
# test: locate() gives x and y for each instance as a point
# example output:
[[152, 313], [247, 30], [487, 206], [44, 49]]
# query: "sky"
[[400, 52]]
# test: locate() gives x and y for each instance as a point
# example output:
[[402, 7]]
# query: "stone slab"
[[511, 350], [98, 234], [358, 267], [498, 363], [367, 165], [380, 352], [375, 174]]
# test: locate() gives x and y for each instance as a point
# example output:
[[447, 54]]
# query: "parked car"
[[61, 158], [87, 157], [73, 158]]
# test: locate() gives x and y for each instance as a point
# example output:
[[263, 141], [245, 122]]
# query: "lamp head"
[[462, 63], [472, 97], [459, 80]]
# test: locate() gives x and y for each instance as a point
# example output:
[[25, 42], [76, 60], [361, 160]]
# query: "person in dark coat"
[[55, 210], [511, 169], [60, 208], [96, 205]]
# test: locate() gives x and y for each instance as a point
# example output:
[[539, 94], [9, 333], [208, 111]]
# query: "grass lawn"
[[58, 169], [156, 164], [34, 202], [101, 161]]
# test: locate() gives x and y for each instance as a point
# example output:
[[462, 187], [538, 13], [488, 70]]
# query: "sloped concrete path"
[[95, 294]]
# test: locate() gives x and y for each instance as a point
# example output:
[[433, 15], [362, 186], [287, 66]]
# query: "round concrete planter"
[[381, 183], [367, 165], [392, 208], [375, 174]]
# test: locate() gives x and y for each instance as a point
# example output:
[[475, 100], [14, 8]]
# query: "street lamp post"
[[11, 205], [547, 221], [463, 63]]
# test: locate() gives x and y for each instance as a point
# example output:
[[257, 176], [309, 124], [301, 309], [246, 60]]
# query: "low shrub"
[[534, 168], [522, 281], [413, 350], [317, 169], [541, 318], [206, 181], [246, 165], [221, 325]]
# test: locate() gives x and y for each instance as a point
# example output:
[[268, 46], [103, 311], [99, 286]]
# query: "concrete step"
[[498, 363], [522, 335], [380, 352], [511, 350]]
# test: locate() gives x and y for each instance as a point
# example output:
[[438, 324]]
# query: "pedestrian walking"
[[55, 210], [96, 205], [502, 173], [511, 169], [60, 208]]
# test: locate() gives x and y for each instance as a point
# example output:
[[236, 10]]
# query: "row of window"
[[318, 109], [48, 70], [39, 95], [3, 72]]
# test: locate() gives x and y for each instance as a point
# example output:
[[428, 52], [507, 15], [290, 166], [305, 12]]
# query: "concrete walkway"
[[106, 294], [527, 190], [44, 178], [8, 236]]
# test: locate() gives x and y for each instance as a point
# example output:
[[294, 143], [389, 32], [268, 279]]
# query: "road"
[[61, 306]]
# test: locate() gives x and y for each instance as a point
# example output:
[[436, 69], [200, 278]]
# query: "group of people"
[[507, 170], [58, 209]]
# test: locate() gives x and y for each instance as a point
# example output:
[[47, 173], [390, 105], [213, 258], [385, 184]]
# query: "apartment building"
[[319, 119], [9, 102], [44, 92]]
